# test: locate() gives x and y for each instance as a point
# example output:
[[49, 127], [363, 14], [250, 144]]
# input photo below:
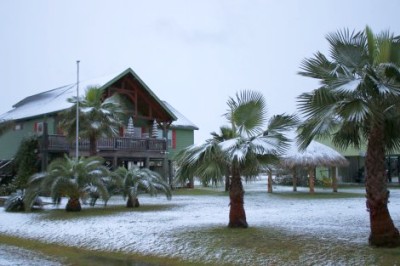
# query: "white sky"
[[192, 54]]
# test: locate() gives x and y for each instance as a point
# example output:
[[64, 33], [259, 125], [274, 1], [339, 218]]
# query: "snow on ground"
[[12, 256], [154, 232]]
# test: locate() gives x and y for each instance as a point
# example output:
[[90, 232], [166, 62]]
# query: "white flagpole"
[[77, 113]]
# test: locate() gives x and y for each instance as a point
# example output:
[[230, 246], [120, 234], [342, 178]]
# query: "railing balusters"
[[60, 143]]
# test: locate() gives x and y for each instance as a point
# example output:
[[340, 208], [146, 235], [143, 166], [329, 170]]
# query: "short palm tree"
[[140, 180], [72, 178], [358, 101], [98, 116], [252, 147]]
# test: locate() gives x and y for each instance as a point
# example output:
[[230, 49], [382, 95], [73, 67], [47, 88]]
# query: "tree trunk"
[[92, 145], [227, 181], [269, 181], [73, 205], [237, 215], [383, 232], [132, 202], [334, 180], [311, 180], [294, 179]]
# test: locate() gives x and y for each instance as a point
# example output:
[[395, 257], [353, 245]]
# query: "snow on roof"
[[51, 101], [316, 154], [181, 120], [55, 100]]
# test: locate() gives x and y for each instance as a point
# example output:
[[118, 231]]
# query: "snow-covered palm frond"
[[246, 145], [247, 112], [318, 67], [205, 161], [136, 180], [15, 202], [98, 116], [361, 91], [346, 84], [70, 177]]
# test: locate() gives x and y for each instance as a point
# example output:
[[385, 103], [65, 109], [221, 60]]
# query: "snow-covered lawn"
[[162, 232]]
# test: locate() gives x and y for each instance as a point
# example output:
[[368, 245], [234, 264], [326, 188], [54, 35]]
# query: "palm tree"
[[72, 178], [137, 180], [97, 116], [225, 134], [246, 154], [358, 101]]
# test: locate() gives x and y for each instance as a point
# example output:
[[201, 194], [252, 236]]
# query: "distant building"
[[39, 115], [355, 172]]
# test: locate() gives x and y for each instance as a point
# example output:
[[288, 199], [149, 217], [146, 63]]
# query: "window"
[[38, 128], [18, 127]]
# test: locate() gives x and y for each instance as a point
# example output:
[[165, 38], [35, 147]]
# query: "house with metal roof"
[[157, 131]]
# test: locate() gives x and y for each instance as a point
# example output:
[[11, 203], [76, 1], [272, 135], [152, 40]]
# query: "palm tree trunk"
[[92, 145], [334, 180], [73, 205], [132, 202], [294, 179], [227, 182], [383, 232], [269, 181], [237, 215], [311, 180]]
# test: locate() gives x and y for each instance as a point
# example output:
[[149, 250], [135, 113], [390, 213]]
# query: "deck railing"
[[61, 143]]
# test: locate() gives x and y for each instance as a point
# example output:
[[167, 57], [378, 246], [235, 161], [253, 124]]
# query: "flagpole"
[[77, 112]]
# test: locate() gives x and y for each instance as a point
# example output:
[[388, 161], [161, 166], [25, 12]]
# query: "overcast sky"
[[192, 54]]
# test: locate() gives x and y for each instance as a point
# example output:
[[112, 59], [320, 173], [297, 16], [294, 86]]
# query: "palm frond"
[[247, 112]]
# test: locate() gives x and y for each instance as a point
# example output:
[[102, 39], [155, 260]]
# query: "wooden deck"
[[119, 145]]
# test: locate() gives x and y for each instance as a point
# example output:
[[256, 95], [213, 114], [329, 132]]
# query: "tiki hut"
[[316, 154]]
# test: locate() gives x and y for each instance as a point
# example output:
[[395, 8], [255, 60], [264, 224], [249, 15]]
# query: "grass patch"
[[61, 214], [317, 195], [203, 191], [271, 246], [78, 256]]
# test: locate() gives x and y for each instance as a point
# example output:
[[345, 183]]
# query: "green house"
[[157, 131], [355, 172]]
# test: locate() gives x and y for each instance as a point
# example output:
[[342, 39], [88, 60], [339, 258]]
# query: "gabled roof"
[[182, 121], [55, 100]]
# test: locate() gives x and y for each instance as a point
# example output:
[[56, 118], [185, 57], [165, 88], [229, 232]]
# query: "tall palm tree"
[[358, 101], [72, 178], [97, 116], [252, 147], [138, 180]]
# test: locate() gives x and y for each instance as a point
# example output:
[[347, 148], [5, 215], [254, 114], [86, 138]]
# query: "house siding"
[[10, 141], [184, 138]]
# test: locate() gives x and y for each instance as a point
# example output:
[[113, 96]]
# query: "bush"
[[7, 189], [15, 202]]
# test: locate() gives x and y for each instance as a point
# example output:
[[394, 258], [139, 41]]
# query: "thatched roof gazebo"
[[316, 154]]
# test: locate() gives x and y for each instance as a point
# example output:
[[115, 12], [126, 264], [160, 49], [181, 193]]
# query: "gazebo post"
[[311, 179], [334, 179], [294, 172], [314, 155]]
